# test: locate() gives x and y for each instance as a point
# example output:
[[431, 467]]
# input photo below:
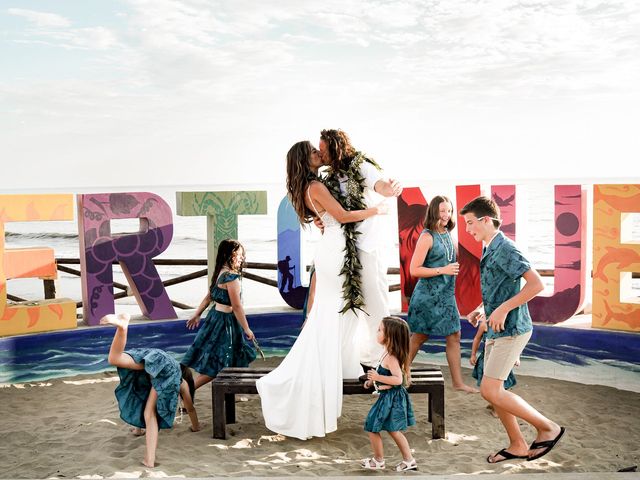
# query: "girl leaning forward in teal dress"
[[150, 382], [432, 308], [392, 412], [220, 343]]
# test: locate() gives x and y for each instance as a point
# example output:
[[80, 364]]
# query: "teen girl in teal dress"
[[220, 343], [432, 308]]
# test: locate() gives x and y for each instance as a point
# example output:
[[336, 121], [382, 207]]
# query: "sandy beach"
[[70, 428]]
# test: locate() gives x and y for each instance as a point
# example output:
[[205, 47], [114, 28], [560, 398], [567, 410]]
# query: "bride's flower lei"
[[353, 200]]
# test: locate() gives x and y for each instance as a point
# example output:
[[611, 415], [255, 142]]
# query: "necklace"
[[448, 245]]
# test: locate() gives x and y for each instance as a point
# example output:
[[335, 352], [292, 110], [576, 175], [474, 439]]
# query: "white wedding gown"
[[302, 397]]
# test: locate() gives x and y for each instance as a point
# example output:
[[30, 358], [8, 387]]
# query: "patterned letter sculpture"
[[615, 257], [469, 252], [134, 252], [54, 314], [412, 208], [505, 198], [222, 210], [289, 256], [570, 273]]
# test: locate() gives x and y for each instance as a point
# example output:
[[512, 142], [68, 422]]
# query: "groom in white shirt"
[[372, 245]]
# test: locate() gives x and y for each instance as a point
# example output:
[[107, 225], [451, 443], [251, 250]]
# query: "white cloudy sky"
[[168, 92]]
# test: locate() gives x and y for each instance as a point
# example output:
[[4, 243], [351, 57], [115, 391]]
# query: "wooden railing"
[[125, 291], [63, 265]]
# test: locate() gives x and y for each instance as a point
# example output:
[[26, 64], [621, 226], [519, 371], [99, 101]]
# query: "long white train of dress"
[[302, 397]]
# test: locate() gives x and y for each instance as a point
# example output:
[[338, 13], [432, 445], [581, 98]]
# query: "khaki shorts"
[[501, 354]]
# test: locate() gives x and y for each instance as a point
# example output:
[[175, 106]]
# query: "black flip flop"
[[506, 455], [546, 444]]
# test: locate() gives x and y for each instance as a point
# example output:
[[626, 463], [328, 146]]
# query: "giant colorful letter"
[[134, 252], [412, 208], [222, 210], [505, 198], [570, 274], [55, 314], [289, 256], [468, 292], [615, 257]]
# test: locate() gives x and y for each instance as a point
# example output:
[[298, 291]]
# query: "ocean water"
[[258, 233]]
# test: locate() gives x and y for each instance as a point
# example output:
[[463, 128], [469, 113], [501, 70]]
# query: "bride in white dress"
[[302, 397]]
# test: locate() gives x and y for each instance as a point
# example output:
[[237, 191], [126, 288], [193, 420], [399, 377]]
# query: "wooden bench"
[[232, 381]]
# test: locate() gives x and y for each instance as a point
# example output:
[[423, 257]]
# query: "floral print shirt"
[[501, 269]]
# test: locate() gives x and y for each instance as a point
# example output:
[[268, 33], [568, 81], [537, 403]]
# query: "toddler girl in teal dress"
[[392, 411], [220, 343], [150, 382]]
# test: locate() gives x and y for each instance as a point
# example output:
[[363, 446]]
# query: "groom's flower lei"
[[352, 200]]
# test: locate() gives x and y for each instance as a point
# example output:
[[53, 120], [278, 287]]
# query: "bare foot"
[[137, 431], [466, 388], [148, 463], [121, 320], [196, 429]]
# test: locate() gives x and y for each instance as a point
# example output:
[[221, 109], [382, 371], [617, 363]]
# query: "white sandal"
[[404, 465], [372, 464]]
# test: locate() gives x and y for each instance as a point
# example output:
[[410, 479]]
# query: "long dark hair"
[[226, 251], [432, 216], [299, 175], [396, 341], [338, 146]]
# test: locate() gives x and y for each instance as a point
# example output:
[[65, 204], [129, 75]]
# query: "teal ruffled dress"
[[220, 341], [162, 372], [392, 412], [478, 369], [432, 308]]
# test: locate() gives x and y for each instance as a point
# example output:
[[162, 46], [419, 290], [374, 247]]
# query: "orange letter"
[[56, 314], [615, 258]]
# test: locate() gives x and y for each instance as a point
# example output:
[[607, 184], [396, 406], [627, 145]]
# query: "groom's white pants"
[[360, 333]]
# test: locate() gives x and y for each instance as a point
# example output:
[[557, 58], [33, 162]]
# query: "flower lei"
[[352, 200]]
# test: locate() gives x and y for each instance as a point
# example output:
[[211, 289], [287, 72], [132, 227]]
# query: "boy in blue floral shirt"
[[502, 267]]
